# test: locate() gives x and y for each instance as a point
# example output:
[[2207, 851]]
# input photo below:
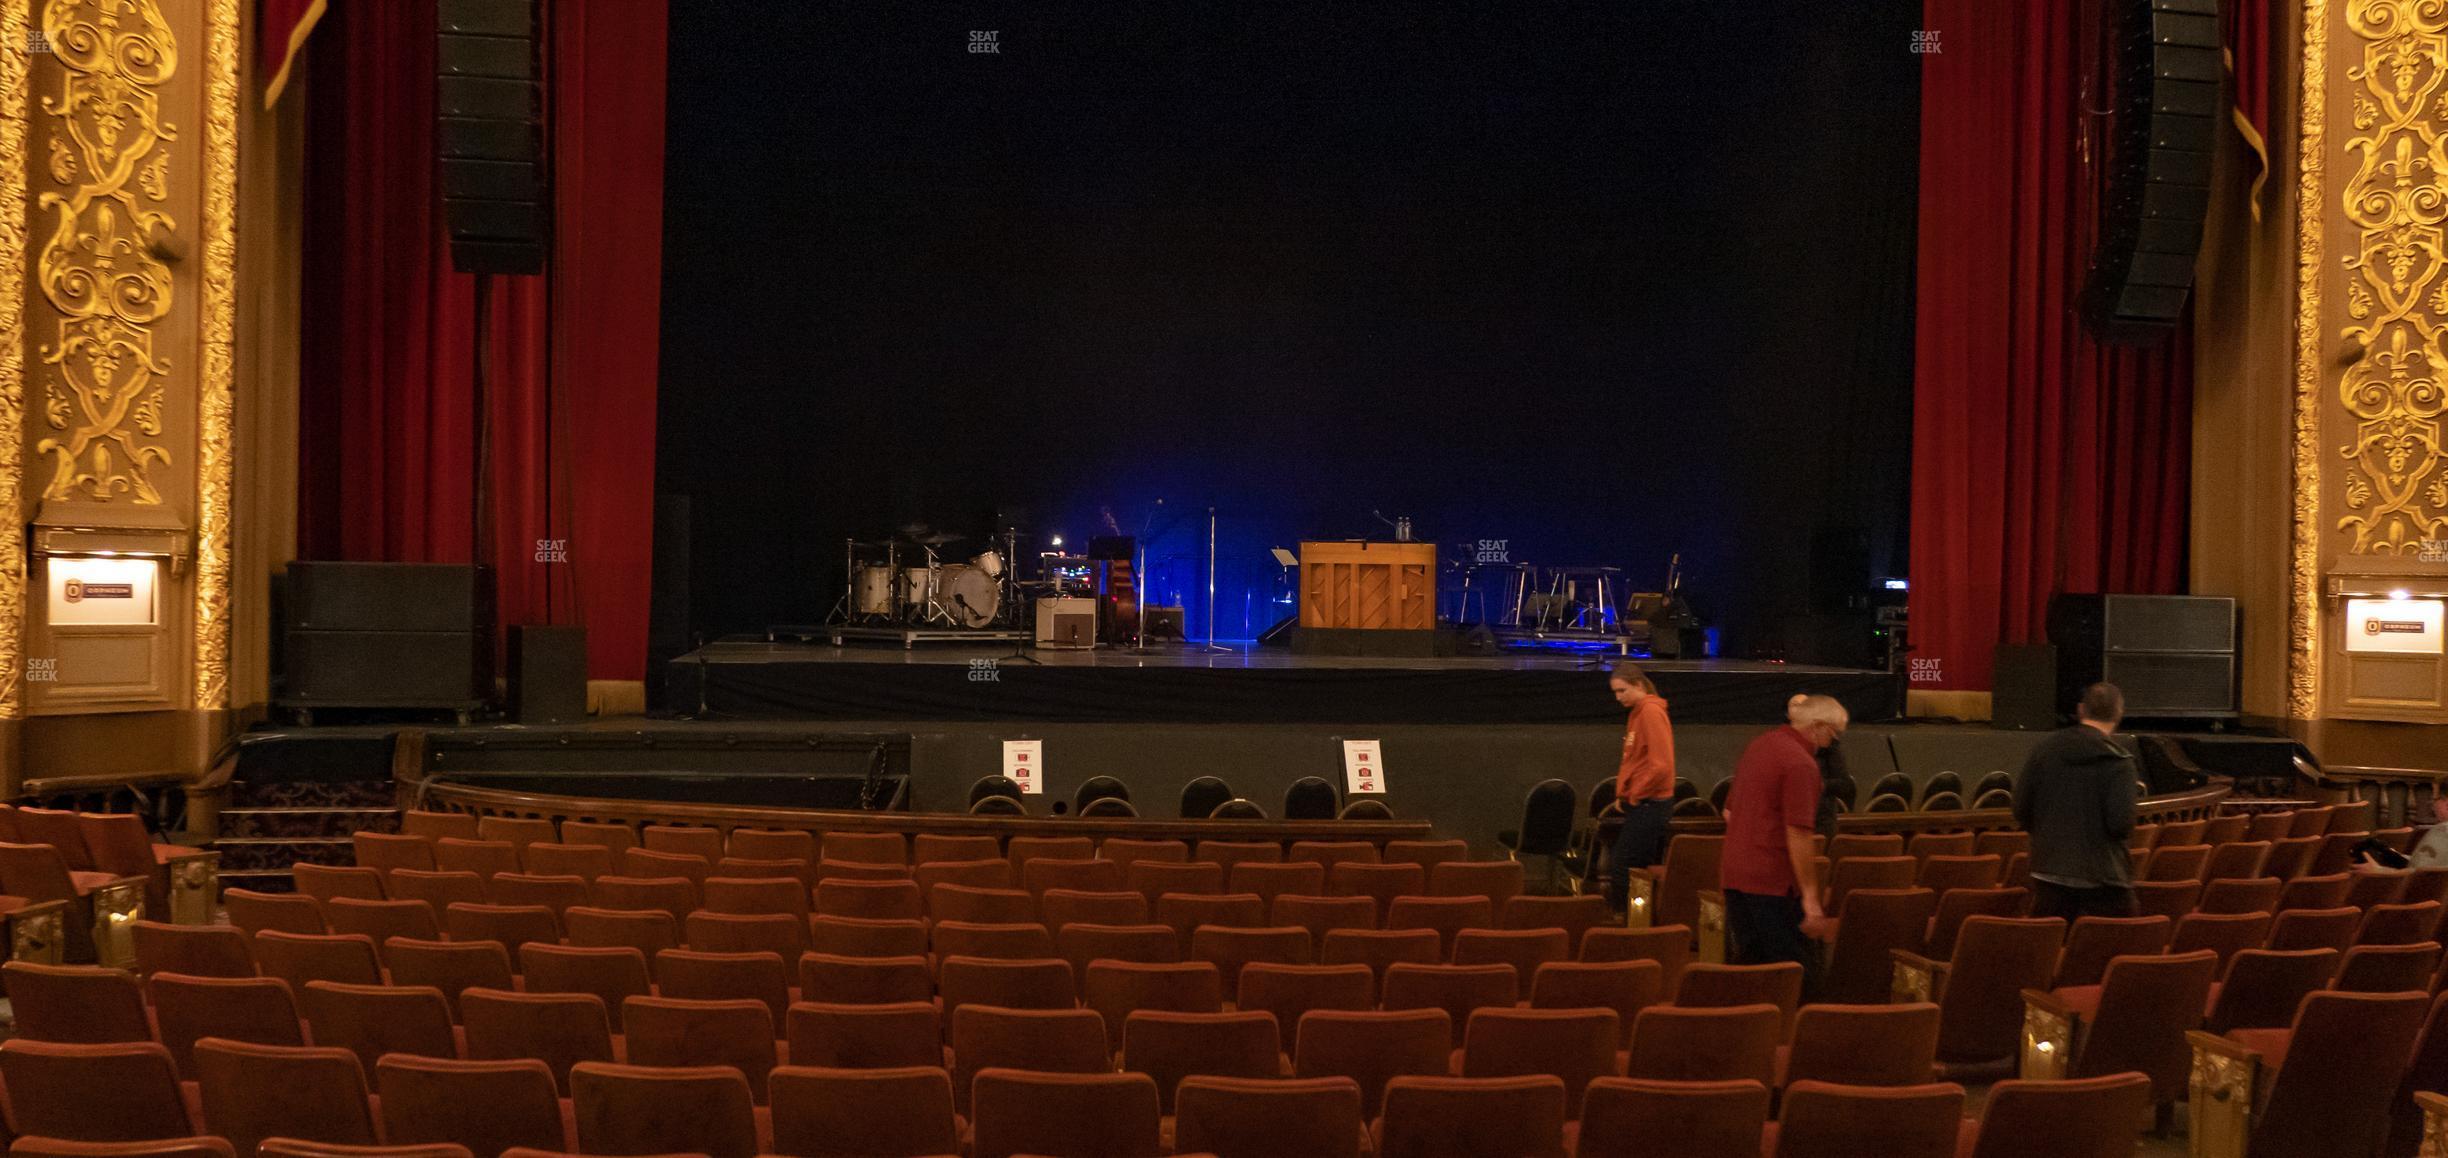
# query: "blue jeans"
[[1641, 843]]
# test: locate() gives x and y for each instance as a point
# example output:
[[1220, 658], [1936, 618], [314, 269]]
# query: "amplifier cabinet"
[[1067, 622]]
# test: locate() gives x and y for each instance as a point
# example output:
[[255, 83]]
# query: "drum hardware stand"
[[935, 611], [846, 608]]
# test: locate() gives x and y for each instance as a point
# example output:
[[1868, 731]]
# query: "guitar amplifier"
[[1067, 621]]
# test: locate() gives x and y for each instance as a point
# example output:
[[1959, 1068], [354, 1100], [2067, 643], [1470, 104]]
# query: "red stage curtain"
[[2042, 460], [388, 446]]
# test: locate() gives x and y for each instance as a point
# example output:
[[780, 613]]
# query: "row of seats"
[[53, 854], [250, 1095], [1690, 1039], [883, 847], [1582, 1022], [2178, 855]]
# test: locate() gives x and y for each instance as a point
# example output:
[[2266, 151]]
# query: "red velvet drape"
[[2042, 461], [388, 452]]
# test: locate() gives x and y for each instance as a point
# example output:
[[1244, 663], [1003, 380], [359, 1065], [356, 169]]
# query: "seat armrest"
[[2225, 1082], [37, 932], [2051, 1029], [194, 884], [1917, 978], [2434, 1109], [1712, 927], [1640, 896]]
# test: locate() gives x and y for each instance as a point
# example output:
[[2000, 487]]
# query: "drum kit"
[[906, 581]]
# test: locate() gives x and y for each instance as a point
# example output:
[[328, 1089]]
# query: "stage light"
[[1055, 541], [1898, 584], [2401, 593]]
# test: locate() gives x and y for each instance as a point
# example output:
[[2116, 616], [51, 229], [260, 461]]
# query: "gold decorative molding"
[[2395, 491], [215, 387], [99, 269], [2303, 581], [16, 26]]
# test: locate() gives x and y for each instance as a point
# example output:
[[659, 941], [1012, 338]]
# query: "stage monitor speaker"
[[489, 132], [2023, 688], [2174, 656], [548, 676], [2165, 74]]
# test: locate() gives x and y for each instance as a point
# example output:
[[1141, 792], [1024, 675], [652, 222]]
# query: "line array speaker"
[[2173, 655], [385, 635], [489, 130], [2166, 68]]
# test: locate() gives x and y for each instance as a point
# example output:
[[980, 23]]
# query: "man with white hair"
[[1769, 871]]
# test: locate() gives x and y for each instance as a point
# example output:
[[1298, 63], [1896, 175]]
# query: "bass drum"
[[969, 594], [872, 592]]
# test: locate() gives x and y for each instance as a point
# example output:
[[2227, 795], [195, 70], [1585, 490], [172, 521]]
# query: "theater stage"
[[752, 679]]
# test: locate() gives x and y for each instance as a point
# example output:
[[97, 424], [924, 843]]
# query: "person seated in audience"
[[1644, 778], [2076, 799], [1769, 871], [2432, 850]]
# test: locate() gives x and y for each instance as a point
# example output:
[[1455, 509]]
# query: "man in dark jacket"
[[2076, 798]]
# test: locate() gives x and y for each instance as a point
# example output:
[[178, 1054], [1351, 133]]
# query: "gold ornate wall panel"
[[215, 387], [16, 27], [2372, 455], [2312, 208], [2393, 476], [120, 144], [102, 378]]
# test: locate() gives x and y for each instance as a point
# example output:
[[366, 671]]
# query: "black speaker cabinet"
[[548, 679], [494, 160], [2165, 75], [2174, 656], [2023, 688], [385, 635]]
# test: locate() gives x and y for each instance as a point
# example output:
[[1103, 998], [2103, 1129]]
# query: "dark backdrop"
[[1604, 281]]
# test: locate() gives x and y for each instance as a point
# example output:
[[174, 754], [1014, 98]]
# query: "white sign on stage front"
[[1024, 762], [1363, 766]]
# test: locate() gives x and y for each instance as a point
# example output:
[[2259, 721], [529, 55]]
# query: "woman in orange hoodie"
[[1644, 779]]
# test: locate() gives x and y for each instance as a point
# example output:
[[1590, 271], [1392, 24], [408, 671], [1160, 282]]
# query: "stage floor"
[[751, 678]]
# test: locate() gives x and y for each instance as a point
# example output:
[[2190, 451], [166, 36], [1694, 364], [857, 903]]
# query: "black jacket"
[[2076, 798]]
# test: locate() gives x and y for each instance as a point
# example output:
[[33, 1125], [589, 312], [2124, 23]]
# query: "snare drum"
[[872, 591], [991, 562]]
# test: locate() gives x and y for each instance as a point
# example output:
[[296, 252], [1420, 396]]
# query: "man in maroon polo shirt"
[[1768, 872]]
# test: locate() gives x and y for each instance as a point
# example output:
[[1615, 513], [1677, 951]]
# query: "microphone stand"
[[1211, 644], [1019, 639]]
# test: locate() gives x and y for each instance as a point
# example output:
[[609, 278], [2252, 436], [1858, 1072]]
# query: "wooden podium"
[[1367, 598]]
